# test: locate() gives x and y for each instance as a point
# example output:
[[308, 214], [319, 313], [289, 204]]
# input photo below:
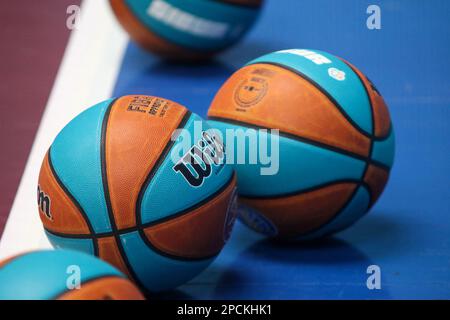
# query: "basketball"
[[63, 275], [186, 29], [335, 142], [139, 182]]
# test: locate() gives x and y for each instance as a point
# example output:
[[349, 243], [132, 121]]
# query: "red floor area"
[[33, 35]]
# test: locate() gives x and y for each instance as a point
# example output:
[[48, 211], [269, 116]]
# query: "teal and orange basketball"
[[335, 147], [135, 182], [63, 275], [186, 29]]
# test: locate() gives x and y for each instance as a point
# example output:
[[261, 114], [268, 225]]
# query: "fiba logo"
[[196, 165], [44, 203], [251, 91]]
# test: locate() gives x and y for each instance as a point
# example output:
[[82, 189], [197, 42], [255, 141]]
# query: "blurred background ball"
[[54, 274], [115, 185], [186, 29], [336, 144]]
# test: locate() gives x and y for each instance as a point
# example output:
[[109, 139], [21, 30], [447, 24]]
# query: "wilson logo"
[[315, 57], [186, 22], [44, 203], [196, 165]]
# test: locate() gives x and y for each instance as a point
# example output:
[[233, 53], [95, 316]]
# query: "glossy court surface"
[[407, 232]]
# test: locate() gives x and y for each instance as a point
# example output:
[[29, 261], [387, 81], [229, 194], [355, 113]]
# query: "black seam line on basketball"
[[194, 207], [344, 207], [382, 138], [145, 225], [304, 140], [150, 176], [156, 166], [338, 213], [324, 92], [74, 201], [107, 196], [182, 213], [372, 113], [140, 226], [246, 5], [77, 235], [369, 191], [296, 193], [89, 281], [360, 184]]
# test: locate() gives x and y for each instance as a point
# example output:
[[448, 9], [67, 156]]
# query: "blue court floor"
[[407, 233]]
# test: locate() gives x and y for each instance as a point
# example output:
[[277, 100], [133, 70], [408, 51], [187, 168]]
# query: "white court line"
[[87, 75]]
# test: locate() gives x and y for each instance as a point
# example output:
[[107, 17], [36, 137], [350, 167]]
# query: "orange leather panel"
[[65, 216], [149, 40], [197, 234], [299, 214], [376, 178], [139, 128], [274, 97], [108, 251], [108, 288], [381, 116]]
